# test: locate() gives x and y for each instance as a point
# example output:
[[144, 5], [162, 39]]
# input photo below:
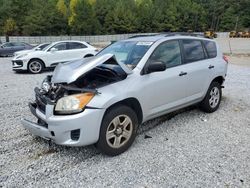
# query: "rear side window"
[[211, 48], [193, 50], [76, 45]]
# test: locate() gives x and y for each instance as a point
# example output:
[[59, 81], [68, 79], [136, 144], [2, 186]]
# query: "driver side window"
[[168, 53]]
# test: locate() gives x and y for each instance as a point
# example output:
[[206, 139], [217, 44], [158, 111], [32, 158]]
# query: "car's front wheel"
[[35, 66], [211, 102], [118, 130]]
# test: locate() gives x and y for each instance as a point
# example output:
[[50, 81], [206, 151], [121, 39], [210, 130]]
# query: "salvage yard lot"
[[185, 149]]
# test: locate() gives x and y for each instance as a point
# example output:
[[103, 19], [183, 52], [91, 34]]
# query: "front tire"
[[212, 100], [118, 130], [35, 66]]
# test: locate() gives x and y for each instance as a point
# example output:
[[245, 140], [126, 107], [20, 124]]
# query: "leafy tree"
[[102, 8], [62, 8], [85, 20], [72, 7], [10, 27], [44, 19], [79, 17], [145, 14], [120, 20]]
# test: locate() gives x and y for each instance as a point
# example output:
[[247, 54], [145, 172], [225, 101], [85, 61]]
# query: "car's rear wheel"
[[118, 130], [35, 66], [212, 100]]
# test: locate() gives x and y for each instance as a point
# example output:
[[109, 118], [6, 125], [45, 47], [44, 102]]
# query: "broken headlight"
[[73, 103], [46, 84]]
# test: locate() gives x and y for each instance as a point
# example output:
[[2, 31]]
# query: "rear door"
[[197, 68], [17, 46], [77, 50]]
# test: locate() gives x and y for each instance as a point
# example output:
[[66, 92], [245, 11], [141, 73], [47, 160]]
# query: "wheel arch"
[[219, 79], [32, 59], [131, 102], [88, 55]]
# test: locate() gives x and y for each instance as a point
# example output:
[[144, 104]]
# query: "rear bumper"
[[61, 129]]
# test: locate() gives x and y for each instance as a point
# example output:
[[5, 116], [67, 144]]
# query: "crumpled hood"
[[71, 71]]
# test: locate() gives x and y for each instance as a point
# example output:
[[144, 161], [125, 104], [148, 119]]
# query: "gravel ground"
[[186, 149]]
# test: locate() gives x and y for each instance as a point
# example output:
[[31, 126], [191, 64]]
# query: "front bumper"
[[18, 64], [61, 129]]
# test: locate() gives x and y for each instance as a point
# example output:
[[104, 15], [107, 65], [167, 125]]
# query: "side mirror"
[[38, 49], [53, 49], [156, 66]]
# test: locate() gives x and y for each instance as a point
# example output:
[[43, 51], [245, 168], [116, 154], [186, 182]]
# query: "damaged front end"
[[61, 104], [73, 85]]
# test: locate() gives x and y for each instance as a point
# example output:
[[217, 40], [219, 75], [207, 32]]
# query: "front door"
[[164, 90], [58, 54]]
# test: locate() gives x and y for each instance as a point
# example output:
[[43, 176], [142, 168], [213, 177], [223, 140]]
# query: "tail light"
[[225, 58]]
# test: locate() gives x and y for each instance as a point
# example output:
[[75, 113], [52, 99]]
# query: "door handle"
[[182, 73], [211, 67]]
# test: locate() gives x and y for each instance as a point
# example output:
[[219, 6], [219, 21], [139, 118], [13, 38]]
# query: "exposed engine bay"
[[100, 76]]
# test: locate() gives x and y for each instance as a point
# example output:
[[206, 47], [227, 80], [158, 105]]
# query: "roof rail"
[[170, 34], [145, 35]]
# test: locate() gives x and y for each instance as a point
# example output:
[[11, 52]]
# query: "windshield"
[[127, 52], [48, 46], [40, 46]]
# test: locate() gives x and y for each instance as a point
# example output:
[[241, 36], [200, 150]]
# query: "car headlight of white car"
[[73, 103], [21, 56]]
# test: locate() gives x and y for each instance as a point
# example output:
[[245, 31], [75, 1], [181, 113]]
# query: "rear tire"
[[212, 100], [118, 130], [35, 66]]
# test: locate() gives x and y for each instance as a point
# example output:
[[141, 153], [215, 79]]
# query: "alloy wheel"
[[119, 131], [35, 67], [214, 97]]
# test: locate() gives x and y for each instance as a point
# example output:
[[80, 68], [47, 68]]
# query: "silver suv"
[[103, 99]]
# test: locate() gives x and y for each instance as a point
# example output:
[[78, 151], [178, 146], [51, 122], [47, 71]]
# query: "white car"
[[57, 52], [36, 48]]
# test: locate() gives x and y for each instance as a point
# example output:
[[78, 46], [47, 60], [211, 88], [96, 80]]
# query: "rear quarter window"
[[210, 48], [76, 45], [193, 50]]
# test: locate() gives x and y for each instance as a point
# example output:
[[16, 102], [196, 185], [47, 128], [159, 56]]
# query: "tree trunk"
[[7, 38]]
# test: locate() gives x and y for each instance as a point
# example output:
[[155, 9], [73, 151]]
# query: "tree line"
[[91, 17]]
